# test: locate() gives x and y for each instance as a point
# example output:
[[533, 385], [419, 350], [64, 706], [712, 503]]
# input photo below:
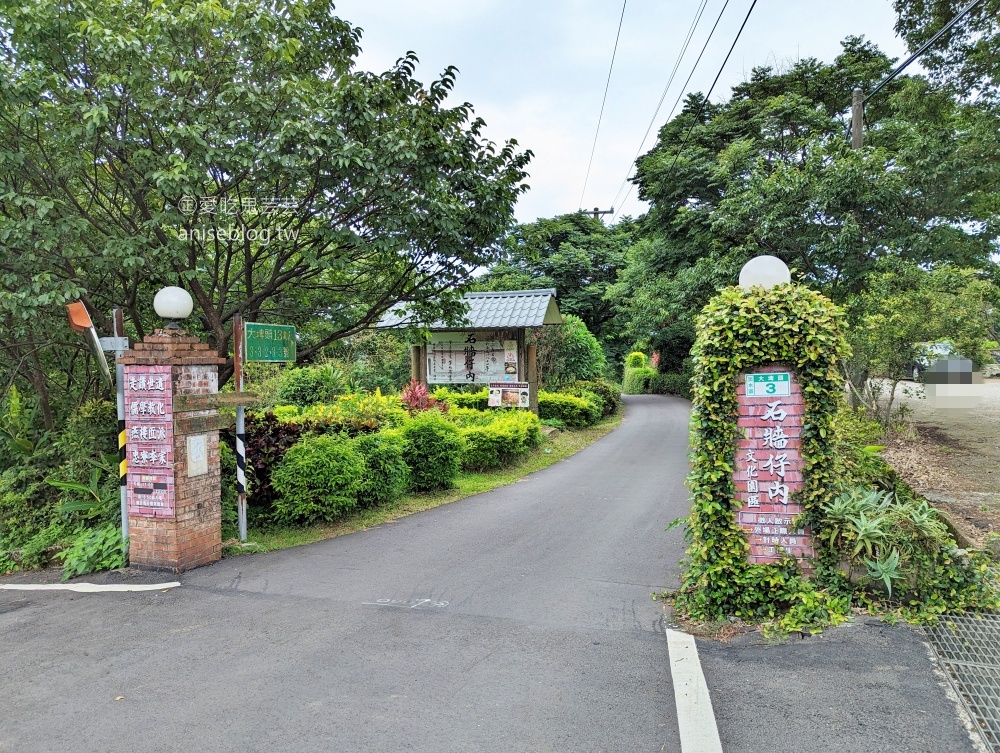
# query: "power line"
[[603, 101], [670, 81], [923, 48], [676, 101], [701, 107]]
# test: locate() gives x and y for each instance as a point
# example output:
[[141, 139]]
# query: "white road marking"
[[695, 717], [89, 588]]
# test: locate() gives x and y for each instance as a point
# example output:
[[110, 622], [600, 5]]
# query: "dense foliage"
[[317, 479], [244, 157]]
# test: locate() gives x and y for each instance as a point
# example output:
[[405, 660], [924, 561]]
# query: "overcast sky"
[[536, 71]]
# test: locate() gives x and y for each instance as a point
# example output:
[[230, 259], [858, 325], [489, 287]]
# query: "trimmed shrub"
[[637, 381], [318, 479], [268, 439], [477, 400], [286, 412], [610, 393], [635, 360], [433, 451], [309, 385], [356, 414], [575, 412], [671, 384], [386, 474], [502, 441]]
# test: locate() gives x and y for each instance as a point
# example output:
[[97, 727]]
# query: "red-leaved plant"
[[416, 397]]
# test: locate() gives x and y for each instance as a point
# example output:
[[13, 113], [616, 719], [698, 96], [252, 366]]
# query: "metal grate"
[[969, 645]]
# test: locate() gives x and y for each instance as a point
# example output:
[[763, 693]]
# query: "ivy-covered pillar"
[[766, 389]]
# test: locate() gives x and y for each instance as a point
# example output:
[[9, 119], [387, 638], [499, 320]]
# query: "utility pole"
[[598, 212], [857, 119]]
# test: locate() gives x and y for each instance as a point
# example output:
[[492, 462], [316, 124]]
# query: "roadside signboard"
[[149, 426], [274, 343], [777, 383], [509, 395], [471, 357], [769, 468]]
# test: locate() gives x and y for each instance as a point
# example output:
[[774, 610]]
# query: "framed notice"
[[509, 395], [470, 357], [149, 426]]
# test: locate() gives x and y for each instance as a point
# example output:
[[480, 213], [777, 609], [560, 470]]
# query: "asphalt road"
[[517, 620]]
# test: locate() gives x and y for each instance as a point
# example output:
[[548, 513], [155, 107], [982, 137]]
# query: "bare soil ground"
[[953, 458]]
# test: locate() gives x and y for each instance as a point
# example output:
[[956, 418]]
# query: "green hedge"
[[386, 473], [433, 450], [610, 394], [575, 412], [635, 360], [671, 384], [637, 381], [507, 437], [475, 400], [318, 479]]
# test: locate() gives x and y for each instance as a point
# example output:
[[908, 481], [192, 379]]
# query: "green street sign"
[[270, 342], [774, 383]]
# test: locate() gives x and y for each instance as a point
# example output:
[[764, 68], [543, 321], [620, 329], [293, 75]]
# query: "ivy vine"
[[739, 331]]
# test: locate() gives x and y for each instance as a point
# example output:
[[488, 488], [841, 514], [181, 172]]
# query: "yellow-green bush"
[[356, 414], [575, 412], [317, 479], [505, 438]]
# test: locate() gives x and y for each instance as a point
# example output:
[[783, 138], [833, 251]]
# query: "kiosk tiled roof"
[[506, 309]]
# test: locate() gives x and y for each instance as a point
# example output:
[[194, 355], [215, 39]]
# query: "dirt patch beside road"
[[953, 458]]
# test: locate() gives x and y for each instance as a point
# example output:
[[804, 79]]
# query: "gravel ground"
[[953, 457]]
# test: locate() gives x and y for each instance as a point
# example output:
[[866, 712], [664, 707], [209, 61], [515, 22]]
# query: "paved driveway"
[[517, 620]]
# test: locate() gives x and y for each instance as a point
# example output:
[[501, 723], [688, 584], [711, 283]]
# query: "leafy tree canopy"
[[233, 149], [578, 256]]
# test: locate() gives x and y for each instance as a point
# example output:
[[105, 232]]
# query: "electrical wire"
[[676, 101], [603, 101], [923, 48], [701, 107], [670, 81]]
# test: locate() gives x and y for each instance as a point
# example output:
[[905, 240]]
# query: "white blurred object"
[[173, 303], [765, 271], [952, 385]]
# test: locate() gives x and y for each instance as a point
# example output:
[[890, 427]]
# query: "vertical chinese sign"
[[470, 358], [149, 424], [769, 465]]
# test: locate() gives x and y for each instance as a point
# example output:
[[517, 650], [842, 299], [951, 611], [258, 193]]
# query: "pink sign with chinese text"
[[769, 465], [149, 436]]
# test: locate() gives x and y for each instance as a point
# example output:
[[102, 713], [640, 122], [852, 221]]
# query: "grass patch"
[[554, 449]]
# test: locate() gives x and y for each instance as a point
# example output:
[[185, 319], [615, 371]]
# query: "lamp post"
[[172, 303], [765, 272]]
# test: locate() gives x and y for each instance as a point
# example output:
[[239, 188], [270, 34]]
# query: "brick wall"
[[192, 536]]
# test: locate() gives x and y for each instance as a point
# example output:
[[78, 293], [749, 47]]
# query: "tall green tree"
[[233, 149], [576, 255], [965, 57], [771, 172]]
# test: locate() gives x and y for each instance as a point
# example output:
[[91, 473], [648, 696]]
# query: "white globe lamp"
[[764, 271], [172, 303]]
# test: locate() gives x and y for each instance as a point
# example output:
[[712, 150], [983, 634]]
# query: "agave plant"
[[868, 533], [885, 569]]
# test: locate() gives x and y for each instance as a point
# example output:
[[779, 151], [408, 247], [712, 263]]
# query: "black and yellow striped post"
[[119, 323]]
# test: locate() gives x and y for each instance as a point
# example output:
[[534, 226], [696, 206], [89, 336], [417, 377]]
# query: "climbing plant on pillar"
[[739, 331]]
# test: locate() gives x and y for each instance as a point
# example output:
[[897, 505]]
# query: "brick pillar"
[[172, 434]]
